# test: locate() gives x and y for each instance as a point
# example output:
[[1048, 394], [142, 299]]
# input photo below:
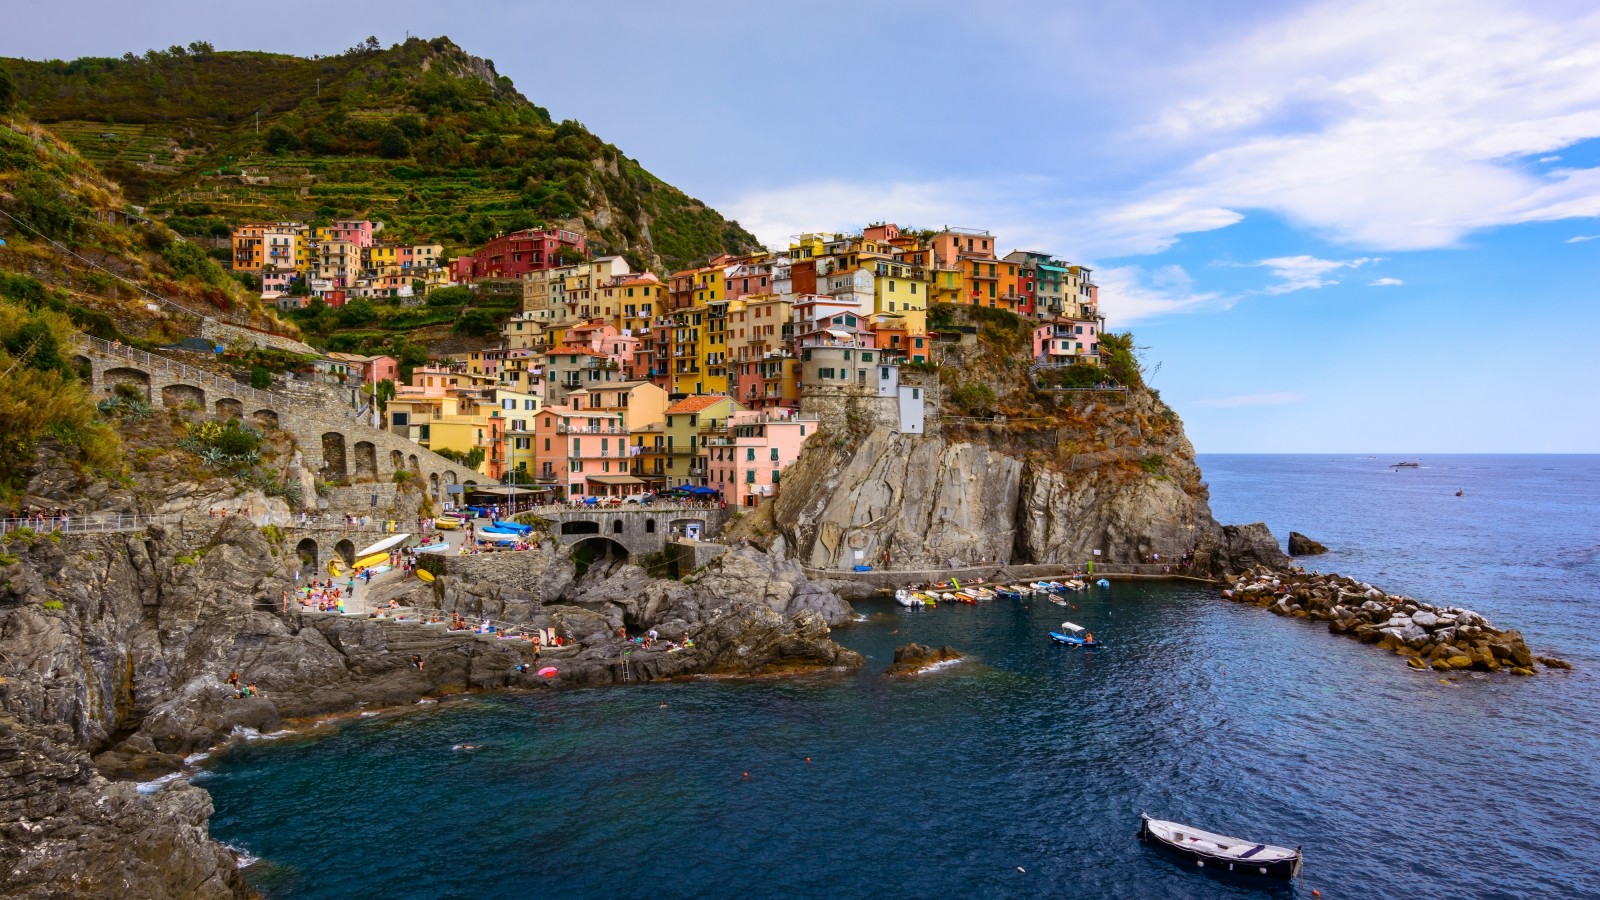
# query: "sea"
[[1022, 770]]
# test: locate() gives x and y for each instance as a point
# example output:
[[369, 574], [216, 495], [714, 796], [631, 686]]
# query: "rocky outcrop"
[[1235, 548], [914, 659], [67, 832], [1426, 636], [1300, 545]]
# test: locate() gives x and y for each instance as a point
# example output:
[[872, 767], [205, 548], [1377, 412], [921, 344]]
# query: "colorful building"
[[514, 255]]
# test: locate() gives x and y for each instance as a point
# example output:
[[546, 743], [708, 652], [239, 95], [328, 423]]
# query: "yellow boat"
[[372, 560], [424, 574], [333, 568], [445, 523]]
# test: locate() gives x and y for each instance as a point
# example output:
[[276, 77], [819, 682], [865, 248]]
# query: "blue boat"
[[1073, 636], [496, 529], [518, 527]]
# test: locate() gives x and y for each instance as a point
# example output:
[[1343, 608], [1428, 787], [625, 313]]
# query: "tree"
[[455, 295], [280, 138], [8, 91], [392, 143], [260, 378], [475, 323]]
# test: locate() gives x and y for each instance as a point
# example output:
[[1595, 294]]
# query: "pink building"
[[352, 231], [583, 453], [747, 464], [1065, 342]]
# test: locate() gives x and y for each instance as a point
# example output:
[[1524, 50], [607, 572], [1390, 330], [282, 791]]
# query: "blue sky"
[[1335, 226]]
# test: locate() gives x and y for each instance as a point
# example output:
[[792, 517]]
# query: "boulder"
[[1459, 661], [1425, 619], [1300, 545], [1416, 663], [914, 659]]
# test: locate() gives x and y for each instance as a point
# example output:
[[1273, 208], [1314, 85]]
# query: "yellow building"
[[518, 408], [713, 349], [381, 260], [690, 424], [901, 290]]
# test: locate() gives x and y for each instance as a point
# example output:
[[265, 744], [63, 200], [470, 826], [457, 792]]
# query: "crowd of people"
[[40, 519]]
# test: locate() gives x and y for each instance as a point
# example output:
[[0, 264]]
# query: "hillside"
[[420, 136]]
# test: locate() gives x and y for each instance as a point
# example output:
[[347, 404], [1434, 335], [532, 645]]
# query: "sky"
[[1333, 226]]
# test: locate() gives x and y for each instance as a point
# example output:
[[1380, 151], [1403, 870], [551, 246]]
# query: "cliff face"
[[1120, 479]]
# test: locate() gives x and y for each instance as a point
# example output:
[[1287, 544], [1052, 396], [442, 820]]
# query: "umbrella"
[[703, 491], [547, 672]]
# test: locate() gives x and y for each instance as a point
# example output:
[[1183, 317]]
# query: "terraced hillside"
[[421, 136]]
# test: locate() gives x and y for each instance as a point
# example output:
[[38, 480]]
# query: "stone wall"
[[225, 334]]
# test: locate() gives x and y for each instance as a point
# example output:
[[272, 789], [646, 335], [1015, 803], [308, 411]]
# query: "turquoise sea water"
[[1027, 755]]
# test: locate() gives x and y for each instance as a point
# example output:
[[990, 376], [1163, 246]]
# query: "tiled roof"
[[695, 404]]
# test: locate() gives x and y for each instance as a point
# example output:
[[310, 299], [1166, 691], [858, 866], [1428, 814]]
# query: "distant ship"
[[1405, 465]]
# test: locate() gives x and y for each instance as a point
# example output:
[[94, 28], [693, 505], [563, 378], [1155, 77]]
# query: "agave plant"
[[213, 456]]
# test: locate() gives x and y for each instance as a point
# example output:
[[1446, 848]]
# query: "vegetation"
[[223, 443], [471, 459], [42, 396], [1117, 353], [420, 136], [974, 399]]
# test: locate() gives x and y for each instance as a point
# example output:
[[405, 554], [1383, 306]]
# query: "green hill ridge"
[[421, 136]]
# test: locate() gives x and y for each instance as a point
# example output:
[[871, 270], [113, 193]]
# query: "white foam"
[[941, 665], [242, 733], [150, 787], [243, 857], [195, 759]]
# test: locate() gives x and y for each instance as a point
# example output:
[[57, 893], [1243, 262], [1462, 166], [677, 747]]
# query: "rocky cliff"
[[1116, 477]]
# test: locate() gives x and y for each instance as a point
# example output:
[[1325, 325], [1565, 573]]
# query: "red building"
[[518, 253]]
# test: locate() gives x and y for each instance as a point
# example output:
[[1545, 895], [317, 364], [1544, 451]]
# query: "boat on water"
[[1220, 853], [1074, 635], [907, 599], [1405, 465]]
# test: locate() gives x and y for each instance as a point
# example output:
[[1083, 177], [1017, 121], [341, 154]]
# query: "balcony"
[[590, 429]]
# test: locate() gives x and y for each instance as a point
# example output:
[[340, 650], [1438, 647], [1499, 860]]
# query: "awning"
[[508, 491], [613, 479], [842, 335]]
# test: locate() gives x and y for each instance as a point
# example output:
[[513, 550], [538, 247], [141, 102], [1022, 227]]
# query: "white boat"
[[906, 598], [1219, 852], [387, 543]]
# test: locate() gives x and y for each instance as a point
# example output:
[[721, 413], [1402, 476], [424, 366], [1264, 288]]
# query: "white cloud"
[[1129, 293], [1385, 282], [1298, 273], [1549, 159], [1273, 399], [1390, 126], [1578, 239]]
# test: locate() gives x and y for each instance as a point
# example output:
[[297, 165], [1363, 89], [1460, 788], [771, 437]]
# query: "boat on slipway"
[[1074, 635], [1220, 853]]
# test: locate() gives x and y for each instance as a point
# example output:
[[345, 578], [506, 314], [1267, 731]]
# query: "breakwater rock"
[[914, 659], [1443, 638], [1300, 545]]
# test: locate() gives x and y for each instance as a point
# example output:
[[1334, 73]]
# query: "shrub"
[[260, 378], [53, 605], [978, 399], [1153, 463]]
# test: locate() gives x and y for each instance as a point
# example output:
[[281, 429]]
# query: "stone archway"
[[307, 551], [174, 395], [229, 408], [123, 375], [413, 465], [345, 550], [449, 476], [333, 464], [84, 366], [433, 484], [579, 527], [397, 460], [366, 459], [597, 552], [616, 525], [266, 419]]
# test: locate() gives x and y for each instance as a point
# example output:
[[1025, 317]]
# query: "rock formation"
[[1300, 545], [1427, 636], [914, 659]]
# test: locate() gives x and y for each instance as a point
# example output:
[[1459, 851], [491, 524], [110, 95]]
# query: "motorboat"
[[1220, 853], [1405, 465], [1074, 635], [906, 598]]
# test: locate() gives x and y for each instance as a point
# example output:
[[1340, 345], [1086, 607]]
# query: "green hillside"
[[420, 136]]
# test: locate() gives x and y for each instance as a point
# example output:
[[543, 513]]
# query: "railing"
[[153, 364], [575, 429], [88, 524]]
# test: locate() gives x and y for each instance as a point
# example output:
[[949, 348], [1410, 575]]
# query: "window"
[[750, 476], [774, 454], [750, 454]]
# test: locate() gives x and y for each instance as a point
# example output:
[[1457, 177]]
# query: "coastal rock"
[[1300, 545], [913, 659], [1425, 619]]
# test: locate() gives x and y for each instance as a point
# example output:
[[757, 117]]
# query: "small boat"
[[491, 529], [424, 574], [511, 526], [1405, 465], [1102, 583], [927, 599], [906, 598], [1219, 852], [384, 545], [1076, 585], [440, 547], [1075, 635], [447, 523]]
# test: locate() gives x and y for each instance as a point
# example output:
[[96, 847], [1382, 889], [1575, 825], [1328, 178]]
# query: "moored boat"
[[906, 598], [1220, 853]]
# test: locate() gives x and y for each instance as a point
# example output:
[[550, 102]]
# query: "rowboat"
[[440, 547], [518, 527], [447, 523], [424, 574], [493, 529], [1073, 635], [1220, 853]]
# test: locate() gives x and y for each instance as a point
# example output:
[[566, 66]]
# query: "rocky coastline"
[[915, 659], [1426, 636]]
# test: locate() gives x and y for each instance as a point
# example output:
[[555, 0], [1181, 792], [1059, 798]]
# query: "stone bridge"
[[333, 444], [636, 529]]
